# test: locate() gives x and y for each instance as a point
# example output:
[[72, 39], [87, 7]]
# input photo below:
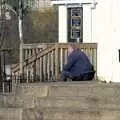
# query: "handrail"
[[31, 49], [47, 64], [15, 67]]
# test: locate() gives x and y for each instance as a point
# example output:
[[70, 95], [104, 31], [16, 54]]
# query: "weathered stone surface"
[[10, 114], [84, 89], [68, 89], [6, 100], [71, 114], [82, 115], [26, 94], [62, 101], [77, 102], [32, 114]]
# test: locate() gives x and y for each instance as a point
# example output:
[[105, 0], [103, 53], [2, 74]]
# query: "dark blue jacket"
[[78, 64]]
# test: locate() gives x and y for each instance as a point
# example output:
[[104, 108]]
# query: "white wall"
[[107, 34], [87, 24], [63, 24], [101, 25], [87, 27]]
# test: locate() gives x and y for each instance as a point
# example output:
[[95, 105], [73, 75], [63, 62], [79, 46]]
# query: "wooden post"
[[48, 67], [66, 55], [52, 62], [21, 58], [56, 63], [44, 68], [40, 73], [61, 59]]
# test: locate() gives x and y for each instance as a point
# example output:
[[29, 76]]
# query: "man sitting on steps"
[[78, 67]]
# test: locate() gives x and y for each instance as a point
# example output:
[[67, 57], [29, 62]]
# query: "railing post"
[[52, 64], [40, 74], [48, 67], [61, 59], [21, 58], [14, 81], [56, 62]]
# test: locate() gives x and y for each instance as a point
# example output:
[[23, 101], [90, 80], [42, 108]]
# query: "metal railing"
[[5, 84]]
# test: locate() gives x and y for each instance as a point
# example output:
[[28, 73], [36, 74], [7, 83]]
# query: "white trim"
[[63, 29], [62, 2], [75, 5]]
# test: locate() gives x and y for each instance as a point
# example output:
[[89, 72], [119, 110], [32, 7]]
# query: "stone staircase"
[[62, 101]]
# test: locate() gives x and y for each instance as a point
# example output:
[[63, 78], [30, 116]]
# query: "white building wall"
[[63, 24], [87, 24], [108, 37], [100, 25]]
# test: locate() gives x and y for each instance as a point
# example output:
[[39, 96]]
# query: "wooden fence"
[[32, 49], [46, 65]]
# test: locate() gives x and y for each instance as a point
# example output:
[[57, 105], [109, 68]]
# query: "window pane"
[[75, 12], [75, 33]]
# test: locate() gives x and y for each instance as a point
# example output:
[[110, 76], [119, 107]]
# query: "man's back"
[[78, 63]]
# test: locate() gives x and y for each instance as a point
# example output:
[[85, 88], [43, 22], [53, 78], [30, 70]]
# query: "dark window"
[[76, 12], [75, 24], [75, 33]]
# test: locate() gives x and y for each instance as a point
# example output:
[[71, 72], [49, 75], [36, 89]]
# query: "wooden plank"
[[66, 55], [48, 67], [34, 71], [40, 69], [37, 68], [44, 67], [52, 63], [81, 45], [31, 46], [27, 74], [37, 45], [56, 63], [61, 59], [95, 59], [41, 54]]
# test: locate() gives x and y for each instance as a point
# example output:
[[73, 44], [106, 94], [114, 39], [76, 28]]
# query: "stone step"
[[77, 102], [82, 89], [26, 94], [70, 114], [10, 114], [6, 100], [62, 101], [68, 89], [52, 89]]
